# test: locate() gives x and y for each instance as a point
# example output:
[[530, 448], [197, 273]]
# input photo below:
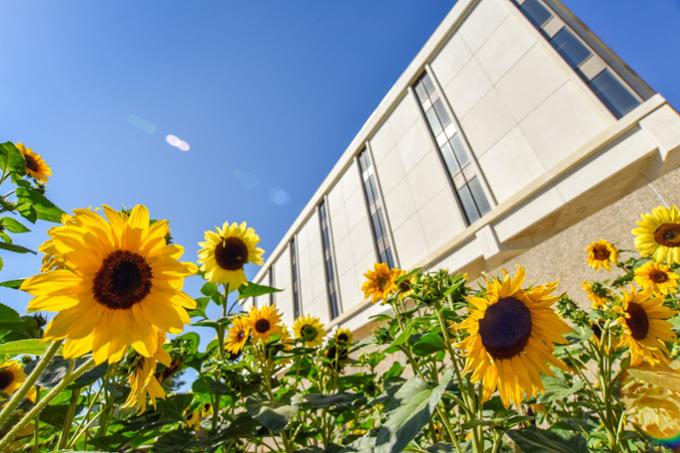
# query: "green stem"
[[84, 424], [36, 429], [35, 411], [20, 394], [68, 420]]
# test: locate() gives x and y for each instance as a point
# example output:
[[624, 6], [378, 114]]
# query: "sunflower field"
[[495, 364]]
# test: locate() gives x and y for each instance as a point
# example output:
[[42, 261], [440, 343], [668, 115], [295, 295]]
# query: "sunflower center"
[[240, 335], [505, 328], [658, 276], [262, 325], [6, 378], [668, 234], [381, 282], [123, 280], [231, 254], [637, 321], [601, 253], [308, 332], [31, 164], [343, 338]]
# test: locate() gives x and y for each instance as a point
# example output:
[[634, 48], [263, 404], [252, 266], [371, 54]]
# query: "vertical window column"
[[329, 262], [463, 174], [271, 284], [376, 209], [295, 276]]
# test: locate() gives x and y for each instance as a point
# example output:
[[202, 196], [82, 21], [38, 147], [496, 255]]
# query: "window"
[[375, 209], [329, 262], [612, 92], [297, 309], [452, 149], [570, 47], [535, 12], [271, 283]]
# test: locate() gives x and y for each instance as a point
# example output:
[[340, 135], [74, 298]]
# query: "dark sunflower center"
[[31, 164], [231, 254], [381, 282], [404, 286], [262, 325], [505, 328], [308, 332], [343, 338], [601, 253], [668, 234], [123, 280], [658, 276], [240, 335], [6, 378], [637, 322]]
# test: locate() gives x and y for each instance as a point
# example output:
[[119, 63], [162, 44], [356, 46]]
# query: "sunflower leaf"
[[15, 248], [44, 208], [274, 415], [534, 440], [14, 284], [255, 290], [11, 159], [33, 346], [13, 225]]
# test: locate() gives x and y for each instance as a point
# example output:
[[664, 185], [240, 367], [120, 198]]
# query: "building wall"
[[352, 237], [282, 280], [312, 278]]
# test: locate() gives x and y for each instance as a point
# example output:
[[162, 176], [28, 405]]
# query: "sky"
[[259, 98]]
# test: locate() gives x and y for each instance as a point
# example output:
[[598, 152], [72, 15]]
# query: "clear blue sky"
[[267, 93]]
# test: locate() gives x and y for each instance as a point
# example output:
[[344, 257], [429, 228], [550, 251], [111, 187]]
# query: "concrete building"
[[514, 136]]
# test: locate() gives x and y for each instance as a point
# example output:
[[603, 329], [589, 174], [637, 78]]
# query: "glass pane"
[[612, 92], [420, 91], [435, 125], [441, 113], [450, 161], [535, 12], [570, 47], [459, 150], [468, 204], [427, 83], [479, 195]]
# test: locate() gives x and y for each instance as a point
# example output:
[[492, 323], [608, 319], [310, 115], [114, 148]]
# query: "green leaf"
[[209, 289], [15, 248], [403, 337], [174, 406], [11, 159], [206, 384], [8, 315], [255, 290], [319, 400], [201, 305], [44, 208], [14, 284], [412, 409], [429, 343], [90, 376], [34, 346], [274, 415], [534, 440], [13, 225]]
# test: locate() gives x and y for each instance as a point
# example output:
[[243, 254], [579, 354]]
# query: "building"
[[515, 135]]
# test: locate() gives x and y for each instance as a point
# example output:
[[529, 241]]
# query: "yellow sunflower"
[[237, 337], [597, 293], [644, 326], [120, 285], [36, 167], [143, 379], [657, 278], [380, 282], [226, 251], [309, 330], [265, 322], [343, 336], [12, 377], [601, 254], [511, 335], [658, 235], [193, 418]]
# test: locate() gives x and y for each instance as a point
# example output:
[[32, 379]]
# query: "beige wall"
[[312, 277], [282, 280]]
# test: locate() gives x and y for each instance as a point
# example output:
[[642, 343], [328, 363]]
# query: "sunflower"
[[601, 254], [343, 336], [656, 277], [380, 282], [226, 251], [645, 329], [36, 167], [193, 418], [658, 235], [597, 293], [12, 376], [120, 285], [309, 330], [238, 335], [265, 322], [143, 379], [511, 335]]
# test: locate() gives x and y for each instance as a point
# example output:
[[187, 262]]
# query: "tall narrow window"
[[376, 209], [297, 309], [271, 283], [329, 262], [468, 188]]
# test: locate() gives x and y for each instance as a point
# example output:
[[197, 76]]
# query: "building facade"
[[515, 135]]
